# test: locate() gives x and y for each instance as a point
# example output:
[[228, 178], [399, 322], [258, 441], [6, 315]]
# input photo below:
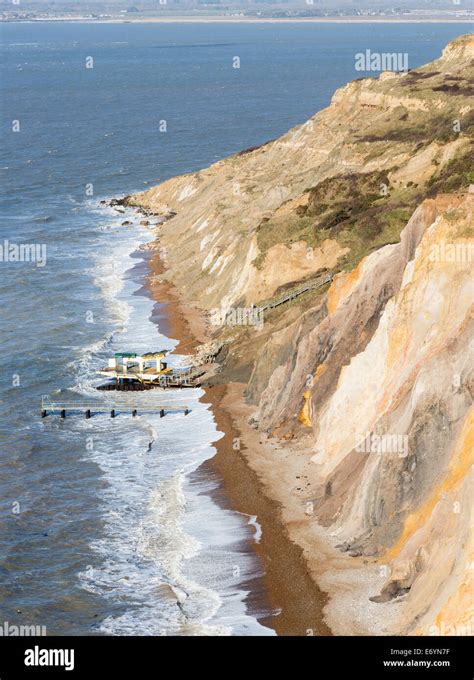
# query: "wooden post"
[[63, 413], [44, 413], [88, 413], [112, 413], [162, 413]]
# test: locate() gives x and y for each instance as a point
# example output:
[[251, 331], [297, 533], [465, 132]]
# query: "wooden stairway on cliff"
[[296, 292]]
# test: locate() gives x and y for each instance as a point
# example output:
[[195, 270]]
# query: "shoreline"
[[289, 587], [175, 326], [175, 319], [247, 20], [308, 580]]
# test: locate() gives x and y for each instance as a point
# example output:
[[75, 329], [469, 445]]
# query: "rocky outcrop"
[[371, 373]]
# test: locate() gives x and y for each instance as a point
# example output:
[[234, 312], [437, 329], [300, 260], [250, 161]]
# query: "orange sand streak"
[[463, 459]]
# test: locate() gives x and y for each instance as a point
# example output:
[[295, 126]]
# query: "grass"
[[329, 204], [416, 128], [351, 210], [457, 175]]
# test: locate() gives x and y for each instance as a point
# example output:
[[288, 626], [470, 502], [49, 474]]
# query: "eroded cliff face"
[[396, 475], [371, 372], [335, 187]]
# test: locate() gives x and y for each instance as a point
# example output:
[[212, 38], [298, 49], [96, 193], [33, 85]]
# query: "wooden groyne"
[[89, 408]]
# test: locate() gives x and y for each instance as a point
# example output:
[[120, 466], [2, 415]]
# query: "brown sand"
[[289, 587], [175, 318]]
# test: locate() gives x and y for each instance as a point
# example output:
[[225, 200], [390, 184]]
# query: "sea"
[[107, 526]]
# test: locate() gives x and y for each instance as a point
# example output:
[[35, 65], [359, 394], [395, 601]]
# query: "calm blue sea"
[[100, 530]]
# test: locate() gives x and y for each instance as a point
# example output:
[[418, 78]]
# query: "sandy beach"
[[176, 319], [290, 588], [310, 582], [315, 583]]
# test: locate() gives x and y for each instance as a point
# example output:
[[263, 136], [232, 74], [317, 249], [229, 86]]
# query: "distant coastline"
[[249, 20]]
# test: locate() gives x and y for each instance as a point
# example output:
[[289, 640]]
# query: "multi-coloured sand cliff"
[[368, 378]]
